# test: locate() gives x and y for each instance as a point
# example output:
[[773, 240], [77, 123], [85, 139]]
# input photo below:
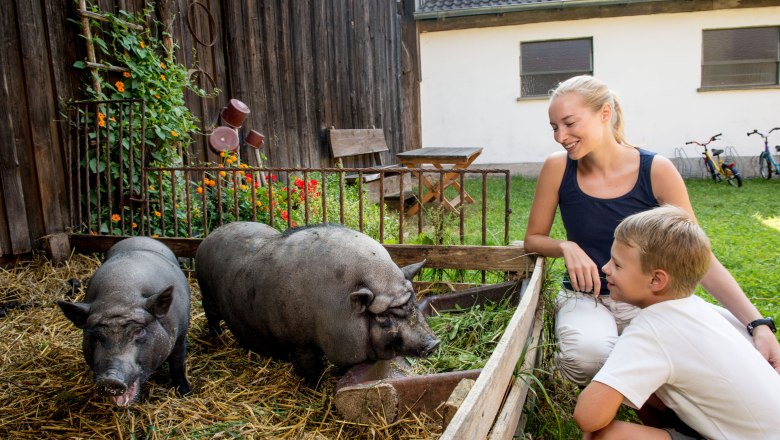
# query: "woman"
[[597, 181]]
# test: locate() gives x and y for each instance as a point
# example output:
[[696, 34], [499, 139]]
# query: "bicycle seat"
[[716, 152]]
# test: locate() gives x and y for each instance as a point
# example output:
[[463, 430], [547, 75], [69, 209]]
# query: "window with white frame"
[[543, 64], [740, 58]]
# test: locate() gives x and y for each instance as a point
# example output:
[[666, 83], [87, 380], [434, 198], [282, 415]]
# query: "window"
[[744, 57], [543, 64]]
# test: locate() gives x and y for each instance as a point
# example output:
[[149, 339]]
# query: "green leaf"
[[79, 64]]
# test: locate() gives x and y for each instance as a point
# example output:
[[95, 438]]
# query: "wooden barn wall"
[[300, 65]]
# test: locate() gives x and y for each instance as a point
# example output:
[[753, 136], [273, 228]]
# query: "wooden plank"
[[14, 232], [475, 417], [351, 142], [42, 113], [506, 425], [504, 258]]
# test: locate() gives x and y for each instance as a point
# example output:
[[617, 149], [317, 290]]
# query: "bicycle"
[[715, 165], [766, 161]]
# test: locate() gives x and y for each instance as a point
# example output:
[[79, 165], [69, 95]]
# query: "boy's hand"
[[766, 344]]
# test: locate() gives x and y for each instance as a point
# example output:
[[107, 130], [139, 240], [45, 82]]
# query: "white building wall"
[[470, 85]]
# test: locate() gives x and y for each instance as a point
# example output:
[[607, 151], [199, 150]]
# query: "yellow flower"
[[162, 65], [222, 173], [222, 154], [259, 204], [115, 218], [155, 235], [157, 96], [142, 44], [243, 187], [174, 133], [151, 187], [200, 190], [157, 213], [162, 77], [126, 74]]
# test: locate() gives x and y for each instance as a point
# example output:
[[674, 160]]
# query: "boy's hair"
[[669, 239]]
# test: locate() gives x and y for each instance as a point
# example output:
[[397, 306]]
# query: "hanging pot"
[[224, 139], [234, 113], [254, 139]]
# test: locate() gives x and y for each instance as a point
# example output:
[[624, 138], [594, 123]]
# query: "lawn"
[[744, 227]]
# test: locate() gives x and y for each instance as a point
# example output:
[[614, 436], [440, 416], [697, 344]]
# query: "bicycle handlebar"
[[706, 143], [763, 135]]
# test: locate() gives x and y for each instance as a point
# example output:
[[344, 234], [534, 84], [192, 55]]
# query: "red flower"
[[273, 176], [285, 215], [299, 183]]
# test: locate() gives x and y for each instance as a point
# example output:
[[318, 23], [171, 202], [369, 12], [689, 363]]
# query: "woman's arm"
[[669, 187], [583, 272]]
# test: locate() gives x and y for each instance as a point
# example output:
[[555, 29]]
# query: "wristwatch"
[[763, 321]]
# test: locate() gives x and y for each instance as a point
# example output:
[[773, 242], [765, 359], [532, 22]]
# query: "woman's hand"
[[583, 272], [767, 345]]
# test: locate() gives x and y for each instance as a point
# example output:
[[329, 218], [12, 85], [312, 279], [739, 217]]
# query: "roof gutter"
[[505, 9]]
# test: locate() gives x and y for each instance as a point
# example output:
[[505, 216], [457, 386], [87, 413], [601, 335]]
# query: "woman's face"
[[576, 127]]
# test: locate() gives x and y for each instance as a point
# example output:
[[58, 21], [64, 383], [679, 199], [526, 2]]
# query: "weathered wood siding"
[[301, 66]]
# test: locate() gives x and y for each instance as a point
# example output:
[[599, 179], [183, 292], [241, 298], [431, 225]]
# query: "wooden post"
[[90, 48]]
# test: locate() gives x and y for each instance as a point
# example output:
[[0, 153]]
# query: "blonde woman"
[[597, 181]]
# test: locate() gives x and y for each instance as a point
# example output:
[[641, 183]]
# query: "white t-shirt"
[[700, 367]]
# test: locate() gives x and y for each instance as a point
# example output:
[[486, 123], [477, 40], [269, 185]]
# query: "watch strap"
[[762, 321]]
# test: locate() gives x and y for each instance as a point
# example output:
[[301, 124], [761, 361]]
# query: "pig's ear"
[[411, 270], [360, 299], [76, 312], [159, 303]]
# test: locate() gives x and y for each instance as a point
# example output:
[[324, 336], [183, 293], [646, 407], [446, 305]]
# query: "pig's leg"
[[211, 309], [177, 367], [309, 362]]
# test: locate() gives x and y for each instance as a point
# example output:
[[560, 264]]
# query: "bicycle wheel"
[[711, 169], [764, 166], [733, 176]]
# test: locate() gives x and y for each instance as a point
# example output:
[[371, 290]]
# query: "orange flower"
[[155, 235], [222, 173], [211, 183], [157, 96], [259, 204], [126, 74], [101, 115], [142, 44], [151, 187], [174, 133], [120, 86], [102, 123], [221, 154], [243, 187], [200, 190], [248, 178], [162, 65], [157, 213], [113, 119], [115, 218], [162, 77], [135, 225]]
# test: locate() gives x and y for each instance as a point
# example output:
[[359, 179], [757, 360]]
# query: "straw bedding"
[[46, 387]]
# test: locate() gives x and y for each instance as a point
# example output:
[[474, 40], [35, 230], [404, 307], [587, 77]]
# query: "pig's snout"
[[430, 345], [110, 386]]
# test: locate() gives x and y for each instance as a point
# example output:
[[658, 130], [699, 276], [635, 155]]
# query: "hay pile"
[[46, 387]]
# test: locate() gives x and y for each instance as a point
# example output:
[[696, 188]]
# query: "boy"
[[677, 347]]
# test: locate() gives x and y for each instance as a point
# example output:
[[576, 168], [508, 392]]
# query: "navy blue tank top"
[[590, 222]]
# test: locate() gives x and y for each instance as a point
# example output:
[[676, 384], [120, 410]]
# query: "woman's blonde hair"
[[668, 238], [595, 93]]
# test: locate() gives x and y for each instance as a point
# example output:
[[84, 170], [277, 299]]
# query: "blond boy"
[[677, 348]]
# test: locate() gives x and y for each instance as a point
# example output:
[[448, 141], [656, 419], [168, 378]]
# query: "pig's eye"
[[384, 320], [140, 333]]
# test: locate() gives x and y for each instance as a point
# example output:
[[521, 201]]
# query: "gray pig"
[[322, 289], [135, 317]]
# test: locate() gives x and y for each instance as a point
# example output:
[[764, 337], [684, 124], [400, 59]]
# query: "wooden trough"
[[493, 405]]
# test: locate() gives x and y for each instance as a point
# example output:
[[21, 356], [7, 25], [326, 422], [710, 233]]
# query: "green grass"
[[743, 225]]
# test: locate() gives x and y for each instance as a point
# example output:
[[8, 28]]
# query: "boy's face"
[[625, 279]]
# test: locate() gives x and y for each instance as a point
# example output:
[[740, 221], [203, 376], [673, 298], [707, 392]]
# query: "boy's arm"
[[597, 406]]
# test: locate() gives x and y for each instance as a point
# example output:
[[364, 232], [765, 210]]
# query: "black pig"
[[317, 290], [135, 317]]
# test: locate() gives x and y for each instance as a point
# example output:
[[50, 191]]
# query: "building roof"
[[435, 9], [452, 5]]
